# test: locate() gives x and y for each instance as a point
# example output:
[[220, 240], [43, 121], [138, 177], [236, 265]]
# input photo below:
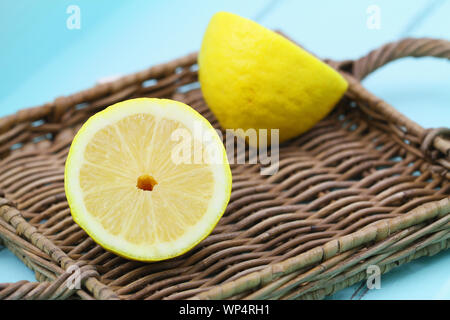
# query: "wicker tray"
[[366, 186]]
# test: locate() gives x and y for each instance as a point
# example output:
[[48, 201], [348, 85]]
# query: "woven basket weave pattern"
[[366, 186]]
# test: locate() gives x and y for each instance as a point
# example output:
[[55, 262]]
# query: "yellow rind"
[[76, 209], [252, 77]]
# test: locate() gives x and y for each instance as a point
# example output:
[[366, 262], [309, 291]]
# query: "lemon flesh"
[[129, 192], [253, 78]]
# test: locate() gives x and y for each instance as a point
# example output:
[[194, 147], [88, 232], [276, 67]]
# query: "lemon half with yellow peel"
[[147, 179], [254, 78]]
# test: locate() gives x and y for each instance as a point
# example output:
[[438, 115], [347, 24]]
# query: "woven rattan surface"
[[366, 186]]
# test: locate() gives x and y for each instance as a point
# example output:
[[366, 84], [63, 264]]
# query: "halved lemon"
[[147, 179], [254, 78]]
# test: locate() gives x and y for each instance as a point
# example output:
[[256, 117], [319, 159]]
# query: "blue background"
[[40, 58]]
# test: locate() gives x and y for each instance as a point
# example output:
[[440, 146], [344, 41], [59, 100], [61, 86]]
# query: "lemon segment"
[[128, 191], [254, 78]]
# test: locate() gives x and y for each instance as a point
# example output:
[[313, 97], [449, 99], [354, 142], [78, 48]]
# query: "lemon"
[[143, 181], [254, 78]]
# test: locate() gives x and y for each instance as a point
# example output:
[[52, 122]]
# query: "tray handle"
[[408, 47], [355, 71]]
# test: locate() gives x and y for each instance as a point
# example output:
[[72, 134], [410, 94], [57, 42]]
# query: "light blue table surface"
[[40, 58]]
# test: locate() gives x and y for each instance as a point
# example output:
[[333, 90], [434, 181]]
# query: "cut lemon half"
[[147, 179], [253, 78]]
